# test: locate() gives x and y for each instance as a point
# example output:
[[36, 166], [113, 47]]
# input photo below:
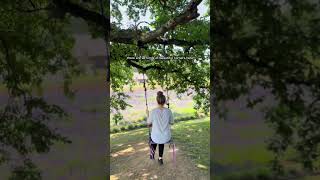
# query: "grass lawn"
[[236, 160], [193, 137], [78, 82], [242, 155]]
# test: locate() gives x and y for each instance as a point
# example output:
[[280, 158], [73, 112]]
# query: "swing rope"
[[167, 89], [145, 91]]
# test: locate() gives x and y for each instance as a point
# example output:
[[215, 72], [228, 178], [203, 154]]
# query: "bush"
[[136, 126], [178, 119], [115, 130], [141, 119], [183, 118], [186, 118], [130, 127], [123, 128]]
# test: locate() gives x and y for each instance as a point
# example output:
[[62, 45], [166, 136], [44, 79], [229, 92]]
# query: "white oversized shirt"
[[160, 118]]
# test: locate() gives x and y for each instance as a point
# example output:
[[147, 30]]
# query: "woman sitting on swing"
[[160, 120]]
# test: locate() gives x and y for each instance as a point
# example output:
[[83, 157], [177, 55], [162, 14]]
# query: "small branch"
[[33, 5], [143, 68], [32, 10]]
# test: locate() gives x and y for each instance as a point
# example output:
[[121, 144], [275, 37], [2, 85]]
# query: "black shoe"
[[160, 161]]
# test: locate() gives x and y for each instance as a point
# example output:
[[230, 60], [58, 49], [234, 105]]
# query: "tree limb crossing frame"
[[125, 35]]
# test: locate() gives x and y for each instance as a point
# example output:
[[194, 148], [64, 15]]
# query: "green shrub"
[[178, 119], [184, 118], [135, 126], [115, 130], [130, 127], [141, 119], [123, 128]]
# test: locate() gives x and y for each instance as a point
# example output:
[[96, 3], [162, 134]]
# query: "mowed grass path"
[[191, 137]]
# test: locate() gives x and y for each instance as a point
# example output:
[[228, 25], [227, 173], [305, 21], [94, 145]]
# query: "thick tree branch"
[[266, 66], [129, 36], [143, 68], [157, 67], [81, 12], [186, 16], [33, 5]]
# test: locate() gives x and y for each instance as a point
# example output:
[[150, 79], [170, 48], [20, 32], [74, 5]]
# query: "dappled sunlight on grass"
[[142, 174], [144, 149], [113, 177], [154, 177], [130, 152], [202, 166], [193, 137], [124, 152]]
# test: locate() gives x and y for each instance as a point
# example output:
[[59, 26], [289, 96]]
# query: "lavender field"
[[180, 105]]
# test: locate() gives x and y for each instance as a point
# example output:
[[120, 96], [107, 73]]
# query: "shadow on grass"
[[256, 174], [145, 174]]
